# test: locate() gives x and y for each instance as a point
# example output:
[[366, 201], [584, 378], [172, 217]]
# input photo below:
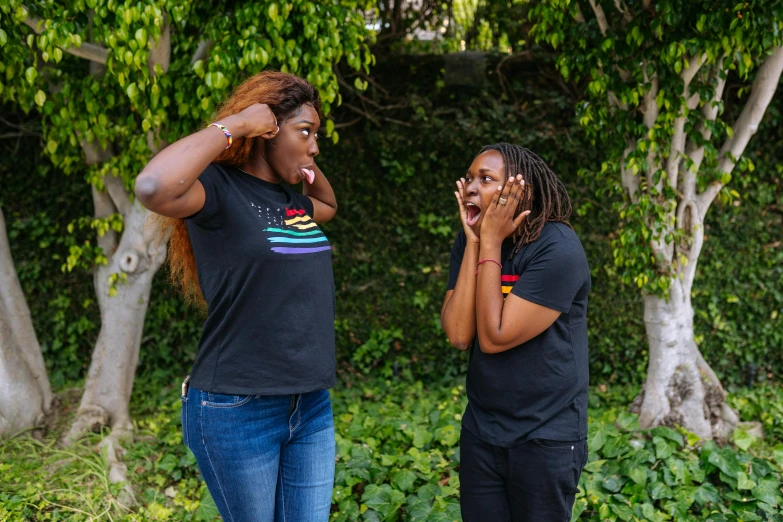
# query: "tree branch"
[[104, 207], [630, 180], [603, 25], [763, 89], [624, 10], [689, 220], [118, 193], [677, 146], [694, 150], [160, 53], [204, 46], [89, 51]]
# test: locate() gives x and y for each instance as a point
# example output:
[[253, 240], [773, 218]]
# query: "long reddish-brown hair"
[[285, 94]]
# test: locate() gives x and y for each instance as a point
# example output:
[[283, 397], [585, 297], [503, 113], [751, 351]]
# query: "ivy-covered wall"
[[394, 177]]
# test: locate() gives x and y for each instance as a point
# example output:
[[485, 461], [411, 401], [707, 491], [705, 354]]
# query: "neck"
[[259, 167]]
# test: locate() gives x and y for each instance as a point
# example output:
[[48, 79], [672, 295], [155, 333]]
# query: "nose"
[[312, 148], [471, 188]]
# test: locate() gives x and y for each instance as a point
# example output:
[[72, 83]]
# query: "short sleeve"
[[457, 253], [215, 188], [554, 275]]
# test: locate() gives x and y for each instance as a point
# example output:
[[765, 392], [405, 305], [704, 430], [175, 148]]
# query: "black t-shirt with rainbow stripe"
[[537, 390], [265, 269]]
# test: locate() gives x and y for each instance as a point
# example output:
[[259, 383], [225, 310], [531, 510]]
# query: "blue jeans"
[[264, 458]]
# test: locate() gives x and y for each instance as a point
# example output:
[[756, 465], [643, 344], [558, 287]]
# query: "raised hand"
[[463, 211], [499, 221], [257, 120]]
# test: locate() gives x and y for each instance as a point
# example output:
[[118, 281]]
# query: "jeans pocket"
[[222, 400], [555, 445], [184, 419]]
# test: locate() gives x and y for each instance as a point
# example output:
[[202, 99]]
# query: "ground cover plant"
[[398, 460]]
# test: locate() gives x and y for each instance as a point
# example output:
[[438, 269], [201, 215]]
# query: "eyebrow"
[[304, 121], [485, 171]]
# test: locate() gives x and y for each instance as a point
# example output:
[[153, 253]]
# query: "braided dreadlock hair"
[[550, 201]]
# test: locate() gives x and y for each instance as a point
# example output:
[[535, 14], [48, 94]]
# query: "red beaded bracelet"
[[490, 261]]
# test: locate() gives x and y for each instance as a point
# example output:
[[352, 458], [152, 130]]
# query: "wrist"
[[236, 125]]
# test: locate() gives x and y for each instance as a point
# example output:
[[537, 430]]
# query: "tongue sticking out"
[[310, 175]]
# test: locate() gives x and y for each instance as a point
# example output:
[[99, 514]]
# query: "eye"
[[487, 179], [306, 132]]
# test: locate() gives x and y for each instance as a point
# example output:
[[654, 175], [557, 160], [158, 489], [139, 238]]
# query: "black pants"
[[532, 482]]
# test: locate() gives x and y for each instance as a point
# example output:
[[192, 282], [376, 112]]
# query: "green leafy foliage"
[[398, 459], [654, 76], [392, 238]]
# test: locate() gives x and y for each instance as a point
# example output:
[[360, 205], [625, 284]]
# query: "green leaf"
[[659, 490], [418, 509], [668, 433], [3, 38], [622, 511], [30, 75], [743, 439], [663, 448], [594, 466], [404, 480], [40, 98], [726, 461], [639, 475], [207, 510], [272, 11], [383, 499], [141, 37], [707, 493], [612, 483], [743, 482], [768, 490]]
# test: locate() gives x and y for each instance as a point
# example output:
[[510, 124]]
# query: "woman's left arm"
[[502, 325], [321, 194]]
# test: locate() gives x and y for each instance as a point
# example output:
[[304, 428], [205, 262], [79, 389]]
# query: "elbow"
[[459, 344], [488, 346], [146, 189]]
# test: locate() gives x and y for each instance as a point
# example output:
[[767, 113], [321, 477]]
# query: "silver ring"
[[503, 200]]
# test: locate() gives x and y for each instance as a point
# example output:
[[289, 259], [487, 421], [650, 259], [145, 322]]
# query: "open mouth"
[[308, 174], [473, 213]]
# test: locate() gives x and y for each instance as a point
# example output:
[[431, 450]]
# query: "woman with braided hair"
[[517, 298]]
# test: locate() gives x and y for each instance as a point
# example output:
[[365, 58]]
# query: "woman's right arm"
[[169, 185], [458, 315]]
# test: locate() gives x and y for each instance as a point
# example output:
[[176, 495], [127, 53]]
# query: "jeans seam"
[[227, 404], [298, 414], [209, 459]]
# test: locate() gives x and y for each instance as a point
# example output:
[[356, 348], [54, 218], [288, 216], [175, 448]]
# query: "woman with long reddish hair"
[[255, 409]]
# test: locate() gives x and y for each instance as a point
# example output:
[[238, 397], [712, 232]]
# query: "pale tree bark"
[[133, 259], [681, 388], [25, 392]]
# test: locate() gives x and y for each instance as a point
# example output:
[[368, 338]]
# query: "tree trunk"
[[681, 388], [109, 383], [25, 392]]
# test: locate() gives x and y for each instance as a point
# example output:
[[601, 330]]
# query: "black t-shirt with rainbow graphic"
[[265, 269], [537, 390]]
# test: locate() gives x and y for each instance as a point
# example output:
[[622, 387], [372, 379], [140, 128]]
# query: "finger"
[[516, 192], [460, 200], [496, 197], [506, 189], [520, 219]]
